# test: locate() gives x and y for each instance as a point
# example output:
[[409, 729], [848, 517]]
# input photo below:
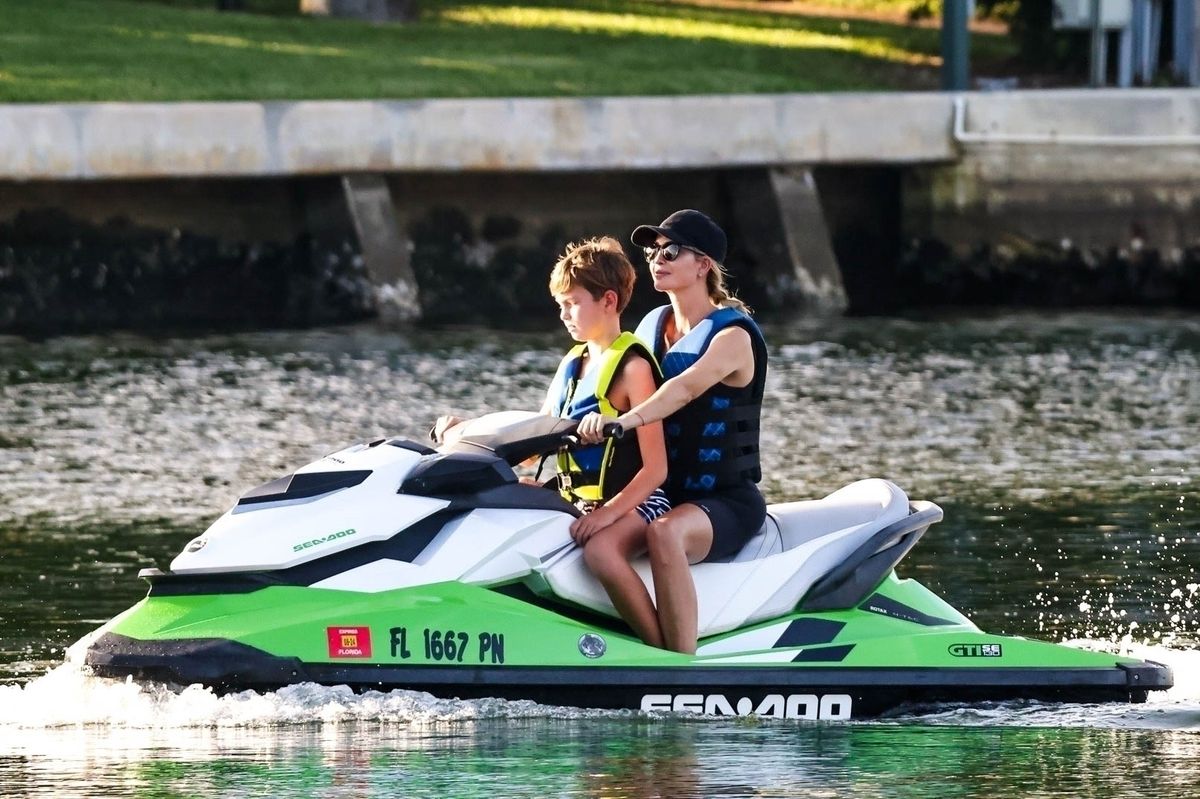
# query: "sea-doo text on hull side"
[[391, 565]]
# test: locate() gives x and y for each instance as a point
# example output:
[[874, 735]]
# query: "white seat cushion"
[[767, 541], [799, 543]]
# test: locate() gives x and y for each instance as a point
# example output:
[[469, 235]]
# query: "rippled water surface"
[[1064, 451]]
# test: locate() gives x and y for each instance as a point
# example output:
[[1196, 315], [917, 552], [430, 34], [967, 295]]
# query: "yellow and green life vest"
[[597, 472]]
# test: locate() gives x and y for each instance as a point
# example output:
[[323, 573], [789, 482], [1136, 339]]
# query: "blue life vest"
[[595, 473], [712, 442]]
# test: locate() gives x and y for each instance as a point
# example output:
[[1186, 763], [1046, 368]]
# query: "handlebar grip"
[[613, 430]]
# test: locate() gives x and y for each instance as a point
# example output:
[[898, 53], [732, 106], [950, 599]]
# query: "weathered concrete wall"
[[947, 185], [279, 209], [114, 140], [1095, 170], [964, 207], [481, 244], [1093, 119], [247, 209], [1059, 198]]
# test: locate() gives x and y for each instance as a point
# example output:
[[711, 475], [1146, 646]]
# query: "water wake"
[[1176, 709], [69, 697]]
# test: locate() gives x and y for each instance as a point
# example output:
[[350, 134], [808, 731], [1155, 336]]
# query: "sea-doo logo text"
[[975, 650], [332, 536], [830, 707]]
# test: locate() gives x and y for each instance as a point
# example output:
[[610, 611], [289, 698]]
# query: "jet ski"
[[390, 565]]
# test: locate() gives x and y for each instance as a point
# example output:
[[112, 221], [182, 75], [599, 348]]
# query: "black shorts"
[[736, 515]]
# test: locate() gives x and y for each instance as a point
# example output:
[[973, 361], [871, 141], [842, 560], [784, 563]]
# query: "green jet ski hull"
[[902, 646]]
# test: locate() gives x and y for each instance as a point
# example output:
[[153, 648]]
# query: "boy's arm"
[[444, 430]]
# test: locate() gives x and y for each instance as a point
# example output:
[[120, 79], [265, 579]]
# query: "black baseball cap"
[[689, 228]]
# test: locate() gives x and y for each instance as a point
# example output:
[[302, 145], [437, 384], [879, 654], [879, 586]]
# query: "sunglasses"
[[669, 251]]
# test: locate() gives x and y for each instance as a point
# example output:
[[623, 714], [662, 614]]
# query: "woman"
[[715, 361]]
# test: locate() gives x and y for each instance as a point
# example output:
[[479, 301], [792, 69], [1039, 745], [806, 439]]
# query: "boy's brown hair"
[[598, 265]]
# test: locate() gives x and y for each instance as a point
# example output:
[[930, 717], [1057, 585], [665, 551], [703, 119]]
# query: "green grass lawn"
[[90, 50]]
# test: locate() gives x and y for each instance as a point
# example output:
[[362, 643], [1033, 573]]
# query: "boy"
[[615, 481]]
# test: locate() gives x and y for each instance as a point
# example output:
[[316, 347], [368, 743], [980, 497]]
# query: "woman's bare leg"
[[676, 540], [608, 554]]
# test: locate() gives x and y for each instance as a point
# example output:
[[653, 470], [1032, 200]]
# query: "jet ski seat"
[[798, 544], [766, 542]]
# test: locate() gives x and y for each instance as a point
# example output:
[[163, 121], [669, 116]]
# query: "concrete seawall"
[[121, 141], [159, 140], [825, 195]]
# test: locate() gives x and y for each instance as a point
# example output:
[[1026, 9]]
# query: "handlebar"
[[517, 436], [613, 430]]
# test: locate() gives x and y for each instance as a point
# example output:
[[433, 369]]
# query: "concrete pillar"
[[814, 264], [782, 226], [369, 10], [385, 248]]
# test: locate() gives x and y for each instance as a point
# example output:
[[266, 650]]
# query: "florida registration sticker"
[[349, 642]]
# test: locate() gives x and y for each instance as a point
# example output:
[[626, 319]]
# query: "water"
[[1063, 450]]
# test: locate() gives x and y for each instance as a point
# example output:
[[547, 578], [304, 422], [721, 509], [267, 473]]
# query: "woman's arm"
[[729, 358]]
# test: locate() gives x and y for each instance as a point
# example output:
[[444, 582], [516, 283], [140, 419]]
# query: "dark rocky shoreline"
[[61, 275], [1042, 275]]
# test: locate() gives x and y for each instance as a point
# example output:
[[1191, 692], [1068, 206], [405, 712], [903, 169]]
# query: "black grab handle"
[[613, 430]]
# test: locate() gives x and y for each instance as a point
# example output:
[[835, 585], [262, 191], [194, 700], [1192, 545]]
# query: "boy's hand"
[[591, 428], [443, 423], [589, 524]]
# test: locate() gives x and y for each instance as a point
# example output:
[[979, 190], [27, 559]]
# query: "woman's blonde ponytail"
[[720, 295]]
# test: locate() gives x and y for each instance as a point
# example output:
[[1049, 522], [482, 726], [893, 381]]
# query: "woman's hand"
[[591, 428], [589, 524]]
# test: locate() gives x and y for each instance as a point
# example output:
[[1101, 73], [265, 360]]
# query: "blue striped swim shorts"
[[655, 505]]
